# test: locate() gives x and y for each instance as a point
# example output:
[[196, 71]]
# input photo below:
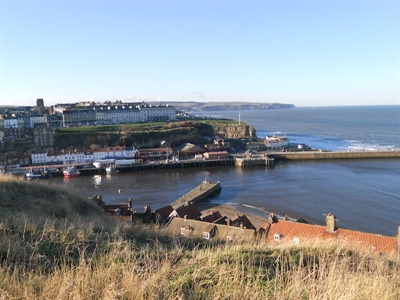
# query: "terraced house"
[[87, 114]]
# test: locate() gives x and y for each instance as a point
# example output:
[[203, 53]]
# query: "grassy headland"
[[56, 245], [147, 135]]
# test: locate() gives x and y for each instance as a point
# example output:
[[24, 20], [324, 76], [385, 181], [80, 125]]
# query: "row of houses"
[[90, 156], [78, 156], [21, 120], [274, 231], [81, 156], [209, 151], [88, 114], [188, 221]]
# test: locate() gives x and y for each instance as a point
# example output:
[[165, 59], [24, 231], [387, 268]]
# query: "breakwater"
[[204, 191], [324, 155]]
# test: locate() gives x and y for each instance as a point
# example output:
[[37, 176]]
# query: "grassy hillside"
[[55, 245], [144, 135]]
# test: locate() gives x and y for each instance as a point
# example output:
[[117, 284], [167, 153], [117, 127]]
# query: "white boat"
[[71, 172], [276, 142]]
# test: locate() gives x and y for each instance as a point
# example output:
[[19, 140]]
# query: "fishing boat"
[[37, 174], [71, 172]]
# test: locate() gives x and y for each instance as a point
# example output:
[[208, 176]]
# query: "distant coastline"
[[223, 106]]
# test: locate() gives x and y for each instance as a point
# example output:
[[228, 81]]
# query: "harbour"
[[266, 159], [360, 185], [363, 193]]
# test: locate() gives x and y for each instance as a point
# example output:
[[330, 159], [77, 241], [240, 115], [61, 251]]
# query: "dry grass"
[[81, 256]]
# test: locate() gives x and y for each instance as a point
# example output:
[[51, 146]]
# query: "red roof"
[[287, 231]]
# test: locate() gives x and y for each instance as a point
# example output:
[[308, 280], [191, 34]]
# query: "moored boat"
[[37, 174], [275, 142], [71, 172]]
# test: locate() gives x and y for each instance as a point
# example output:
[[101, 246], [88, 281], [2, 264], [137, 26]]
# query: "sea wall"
[[321, 155], [204, 191]]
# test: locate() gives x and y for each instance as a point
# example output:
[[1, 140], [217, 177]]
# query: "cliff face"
[[240, 131], [150, 136]]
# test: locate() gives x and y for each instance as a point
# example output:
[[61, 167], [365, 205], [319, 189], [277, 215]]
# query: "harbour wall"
[[323, 155], [204, 191]]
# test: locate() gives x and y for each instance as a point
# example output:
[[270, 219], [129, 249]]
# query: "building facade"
[[79, 156], [43, 135], [86, 114]]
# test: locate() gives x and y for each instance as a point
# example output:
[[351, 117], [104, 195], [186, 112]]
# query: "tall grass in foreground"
[[72, 259], [55, 245]]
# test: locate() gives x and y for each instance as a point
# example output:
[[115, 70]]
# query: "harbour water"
[[364, 194]]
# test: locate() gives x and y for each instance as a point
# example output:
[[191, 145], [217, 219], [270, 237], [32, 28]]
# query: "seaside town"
[[36, 126]]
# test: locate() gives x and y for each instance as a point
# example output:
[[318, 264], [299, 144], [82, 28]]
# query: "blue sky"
[[307, 53]]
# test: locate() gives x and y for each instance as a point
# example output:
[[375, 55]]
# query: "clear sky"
[[307, 53]]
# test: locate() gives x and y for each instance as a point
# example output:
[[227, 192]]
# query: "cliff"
[[148, 136], [240, 131]]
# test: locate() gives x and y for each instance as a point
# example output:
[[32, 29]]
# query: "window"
[[206, 235], [296, 240], [277, 236]]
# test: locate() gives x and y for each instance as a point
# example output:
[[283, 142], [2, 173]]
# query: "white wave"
[[267, 212]]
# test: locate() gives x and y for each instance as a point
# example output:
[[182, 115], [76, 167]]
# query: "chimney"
[[211, 212], [398, 238], [271, 217], [228, 222], [185, 217], [330, 223]]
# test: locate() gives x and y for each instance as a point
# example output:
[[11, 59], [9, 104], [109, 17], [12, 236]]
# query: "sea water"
[[328, 128], [364, 194]]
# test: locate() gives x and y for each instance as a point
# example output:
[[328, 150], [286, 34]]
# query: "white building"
[[80, 157], [113, 113], [35, 119], [114, 152], [10, 123], [39, 158]]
